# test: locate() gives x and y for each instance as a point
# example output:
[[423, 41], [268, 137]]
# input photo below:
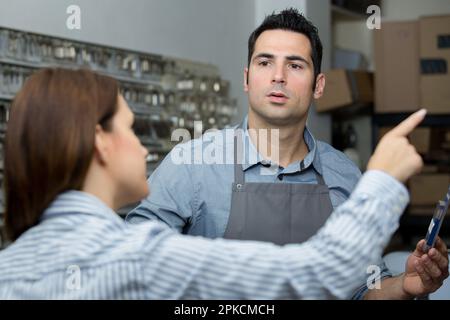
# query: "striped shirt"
[[82, 250]]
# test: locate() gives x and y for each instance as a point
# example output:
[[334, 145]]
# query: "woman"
[[71, 159]]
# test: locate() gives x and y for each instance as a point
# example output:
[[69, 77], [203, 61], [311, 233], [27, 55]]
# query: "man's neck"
[[290, 141]]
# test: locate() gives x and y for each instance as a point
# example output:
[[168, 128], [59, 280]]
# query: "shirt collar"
[[252, 157], [78, 202]]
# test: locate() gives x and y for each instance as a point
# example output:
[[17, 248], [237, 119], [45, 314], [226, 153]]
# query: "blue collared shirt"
[[195, 198], [81, 249]]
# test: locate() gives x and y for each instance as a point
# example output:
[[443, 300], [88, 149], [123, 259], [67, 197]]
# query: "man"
[[309, 177]]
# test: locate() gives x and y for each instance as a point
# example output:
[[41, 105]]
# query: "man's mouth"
[[277, 97]]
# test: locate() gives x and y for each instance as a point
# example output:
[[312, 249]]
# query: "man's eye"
[[263, 63], [296, 66]]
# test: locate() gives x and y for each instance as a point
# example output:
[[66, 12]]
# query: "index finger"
[[409, 124]]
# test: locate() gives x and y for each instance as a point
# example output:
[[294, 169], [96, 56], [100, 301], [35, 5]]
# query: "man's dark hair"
[[290, 20]]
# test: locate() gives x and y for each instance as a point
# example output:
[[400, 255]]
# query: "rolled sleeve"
[[172, 196], [376, 183], [361, 291]]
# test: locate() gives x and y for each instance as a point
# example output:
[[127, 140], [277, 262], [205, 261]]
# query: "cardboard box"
[[349, 59], [420, 138], [445, 144], [440, 138], [397, 67], [423, 211], [345, 88], [428, 189], [435, 64], [429, 169]]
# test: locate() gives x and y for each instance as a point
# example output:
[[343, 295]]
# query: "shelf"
[[145, 110], [354, 110], [39, 65], [84, 44], [19, 63], [7, 97], [392, 119], [131, 80], [345, 14]]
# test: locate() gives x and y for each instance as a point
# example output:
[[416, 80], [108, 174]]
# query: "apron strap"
[[239, 176], [319, 178]]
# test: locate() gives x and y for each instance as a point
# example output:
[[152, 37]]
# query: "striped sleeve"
[[332, 264]]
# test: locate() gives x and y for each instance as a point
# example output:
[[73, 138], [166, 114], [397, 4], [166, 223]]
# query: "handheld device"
[[436, 222]]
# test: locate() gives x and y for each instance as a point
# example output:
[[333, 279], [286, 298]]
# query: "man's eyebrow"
[[289, 58], [299, 58], [264, 55]]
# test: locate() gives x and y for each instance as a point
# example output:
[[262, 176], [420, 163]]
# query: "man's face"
[[281, 78]]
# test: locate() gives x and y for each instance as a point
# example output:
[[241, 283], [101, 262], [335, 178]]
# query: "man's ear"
[[101, 145], [320, 86], [246, 79]]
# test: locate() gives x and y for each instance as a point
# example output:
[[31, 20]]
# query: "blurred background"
[[179, 62]]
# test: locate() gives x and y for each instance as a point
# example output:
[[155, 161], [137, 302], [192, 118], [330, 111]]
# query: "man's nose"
[[279, 76]]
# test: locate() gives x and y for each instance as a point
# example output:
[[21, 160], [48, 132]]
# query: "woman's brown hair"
[[50, 139]]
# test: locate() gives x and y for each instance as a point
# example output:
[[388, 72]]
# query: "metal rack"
[[165, 93]]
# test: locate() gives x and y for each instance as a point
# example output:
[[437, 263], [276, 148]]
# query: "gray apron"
[[280, 213]]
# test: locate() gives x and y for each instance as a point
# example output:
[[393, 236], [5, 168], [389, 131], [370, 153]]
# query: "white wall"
[[266, 7], [211, 31], [412, 9], [192, 29]]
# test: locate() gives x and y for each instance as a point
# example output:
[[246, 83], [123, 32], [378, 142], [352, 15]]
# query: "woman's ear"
[[101, 145]]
